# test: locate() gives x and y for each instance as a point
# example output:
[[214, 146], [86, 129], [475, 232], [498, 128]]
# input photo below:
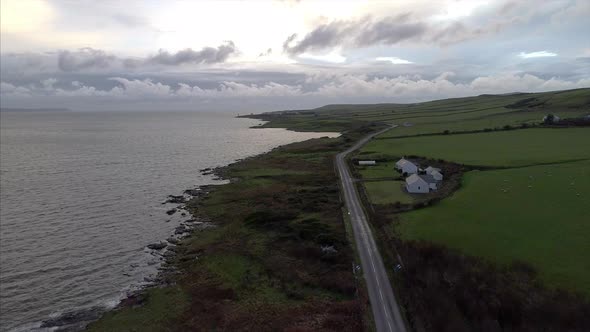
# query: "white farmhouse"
[[420, 184], [416, 185], [406, 166]]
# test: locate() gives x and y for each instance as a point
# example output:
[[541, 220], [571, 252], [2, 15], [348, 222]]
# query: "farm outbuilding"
[[432, 182], [436, 175], [430, 169], [406, 166], [367, 162]]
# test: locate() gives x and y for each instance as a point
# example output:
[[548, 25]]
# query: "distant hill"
[[454, 114], [11, 109]]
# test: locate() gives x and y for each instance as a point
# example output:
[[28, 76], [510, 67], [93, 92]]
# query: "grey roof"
[[403, 162], [433, 173], [413, 178], [428, 178]]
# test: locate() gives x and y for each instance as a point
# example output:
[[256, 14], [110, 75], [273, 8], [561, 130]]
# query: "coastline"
[[300, 266], [164, 251], [277, 168], [168, 271]]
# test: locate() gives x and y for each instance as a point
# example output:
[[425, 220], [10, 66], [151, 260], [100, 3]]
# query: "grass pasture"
[[544, 225], [502, 148], [534, 214], [378, 171], [387, 192], [469, 122]]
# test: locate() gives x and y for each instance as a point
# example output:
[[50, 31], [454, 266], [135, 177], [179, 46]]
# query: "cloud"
[[187, 56], [90, 59], [323, 37], [142, 88], [391, 30], [579, 8], [84, 58], [48, 83], [265, 53], [394, 60], [130, 21], [9, 89], [408, 88], [538, 54], [330, 57], [315, 90]]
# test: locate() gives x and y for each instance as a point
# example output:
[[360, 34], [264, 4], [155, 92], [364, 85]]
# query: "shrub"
[[268, 218]]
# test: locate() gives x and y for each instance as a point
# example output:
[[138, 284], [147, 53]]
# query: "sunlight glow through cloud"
[[330, 57], [187, 52], [538, 54]]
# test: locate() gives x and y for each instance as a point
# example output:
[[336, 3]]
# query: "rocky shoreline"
[[164, 251]]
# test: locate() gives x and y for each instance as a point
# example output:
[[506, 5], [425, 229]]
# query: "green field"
[[535, 214], [387, 192], [470, 122], [527, 209], [262, 266], [528, 204], [501, 148], [378, 171]]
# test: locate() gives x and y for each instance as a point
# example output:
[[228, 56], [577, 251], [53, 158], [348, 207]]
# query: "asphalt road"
[[383, 303]]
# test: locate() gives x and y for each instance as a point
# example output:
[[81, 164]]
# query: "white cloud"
[[409, 89], [394, 60], [579, 8], [538, 54], [48, 83], [12, 90], [316, 90]]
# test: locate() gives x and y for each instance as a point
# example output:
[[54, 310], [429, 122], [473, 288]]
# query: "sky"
[[252, 56]]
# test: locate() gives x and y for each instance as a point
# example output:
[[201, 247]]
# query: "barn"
[[436, 175], [434, 172]]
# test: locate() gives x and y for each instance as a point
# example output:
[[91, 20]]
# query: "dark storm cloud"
[[188, 56], [357, 33], [94, 59], [390, 30], [85, 58], [323, 37]]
